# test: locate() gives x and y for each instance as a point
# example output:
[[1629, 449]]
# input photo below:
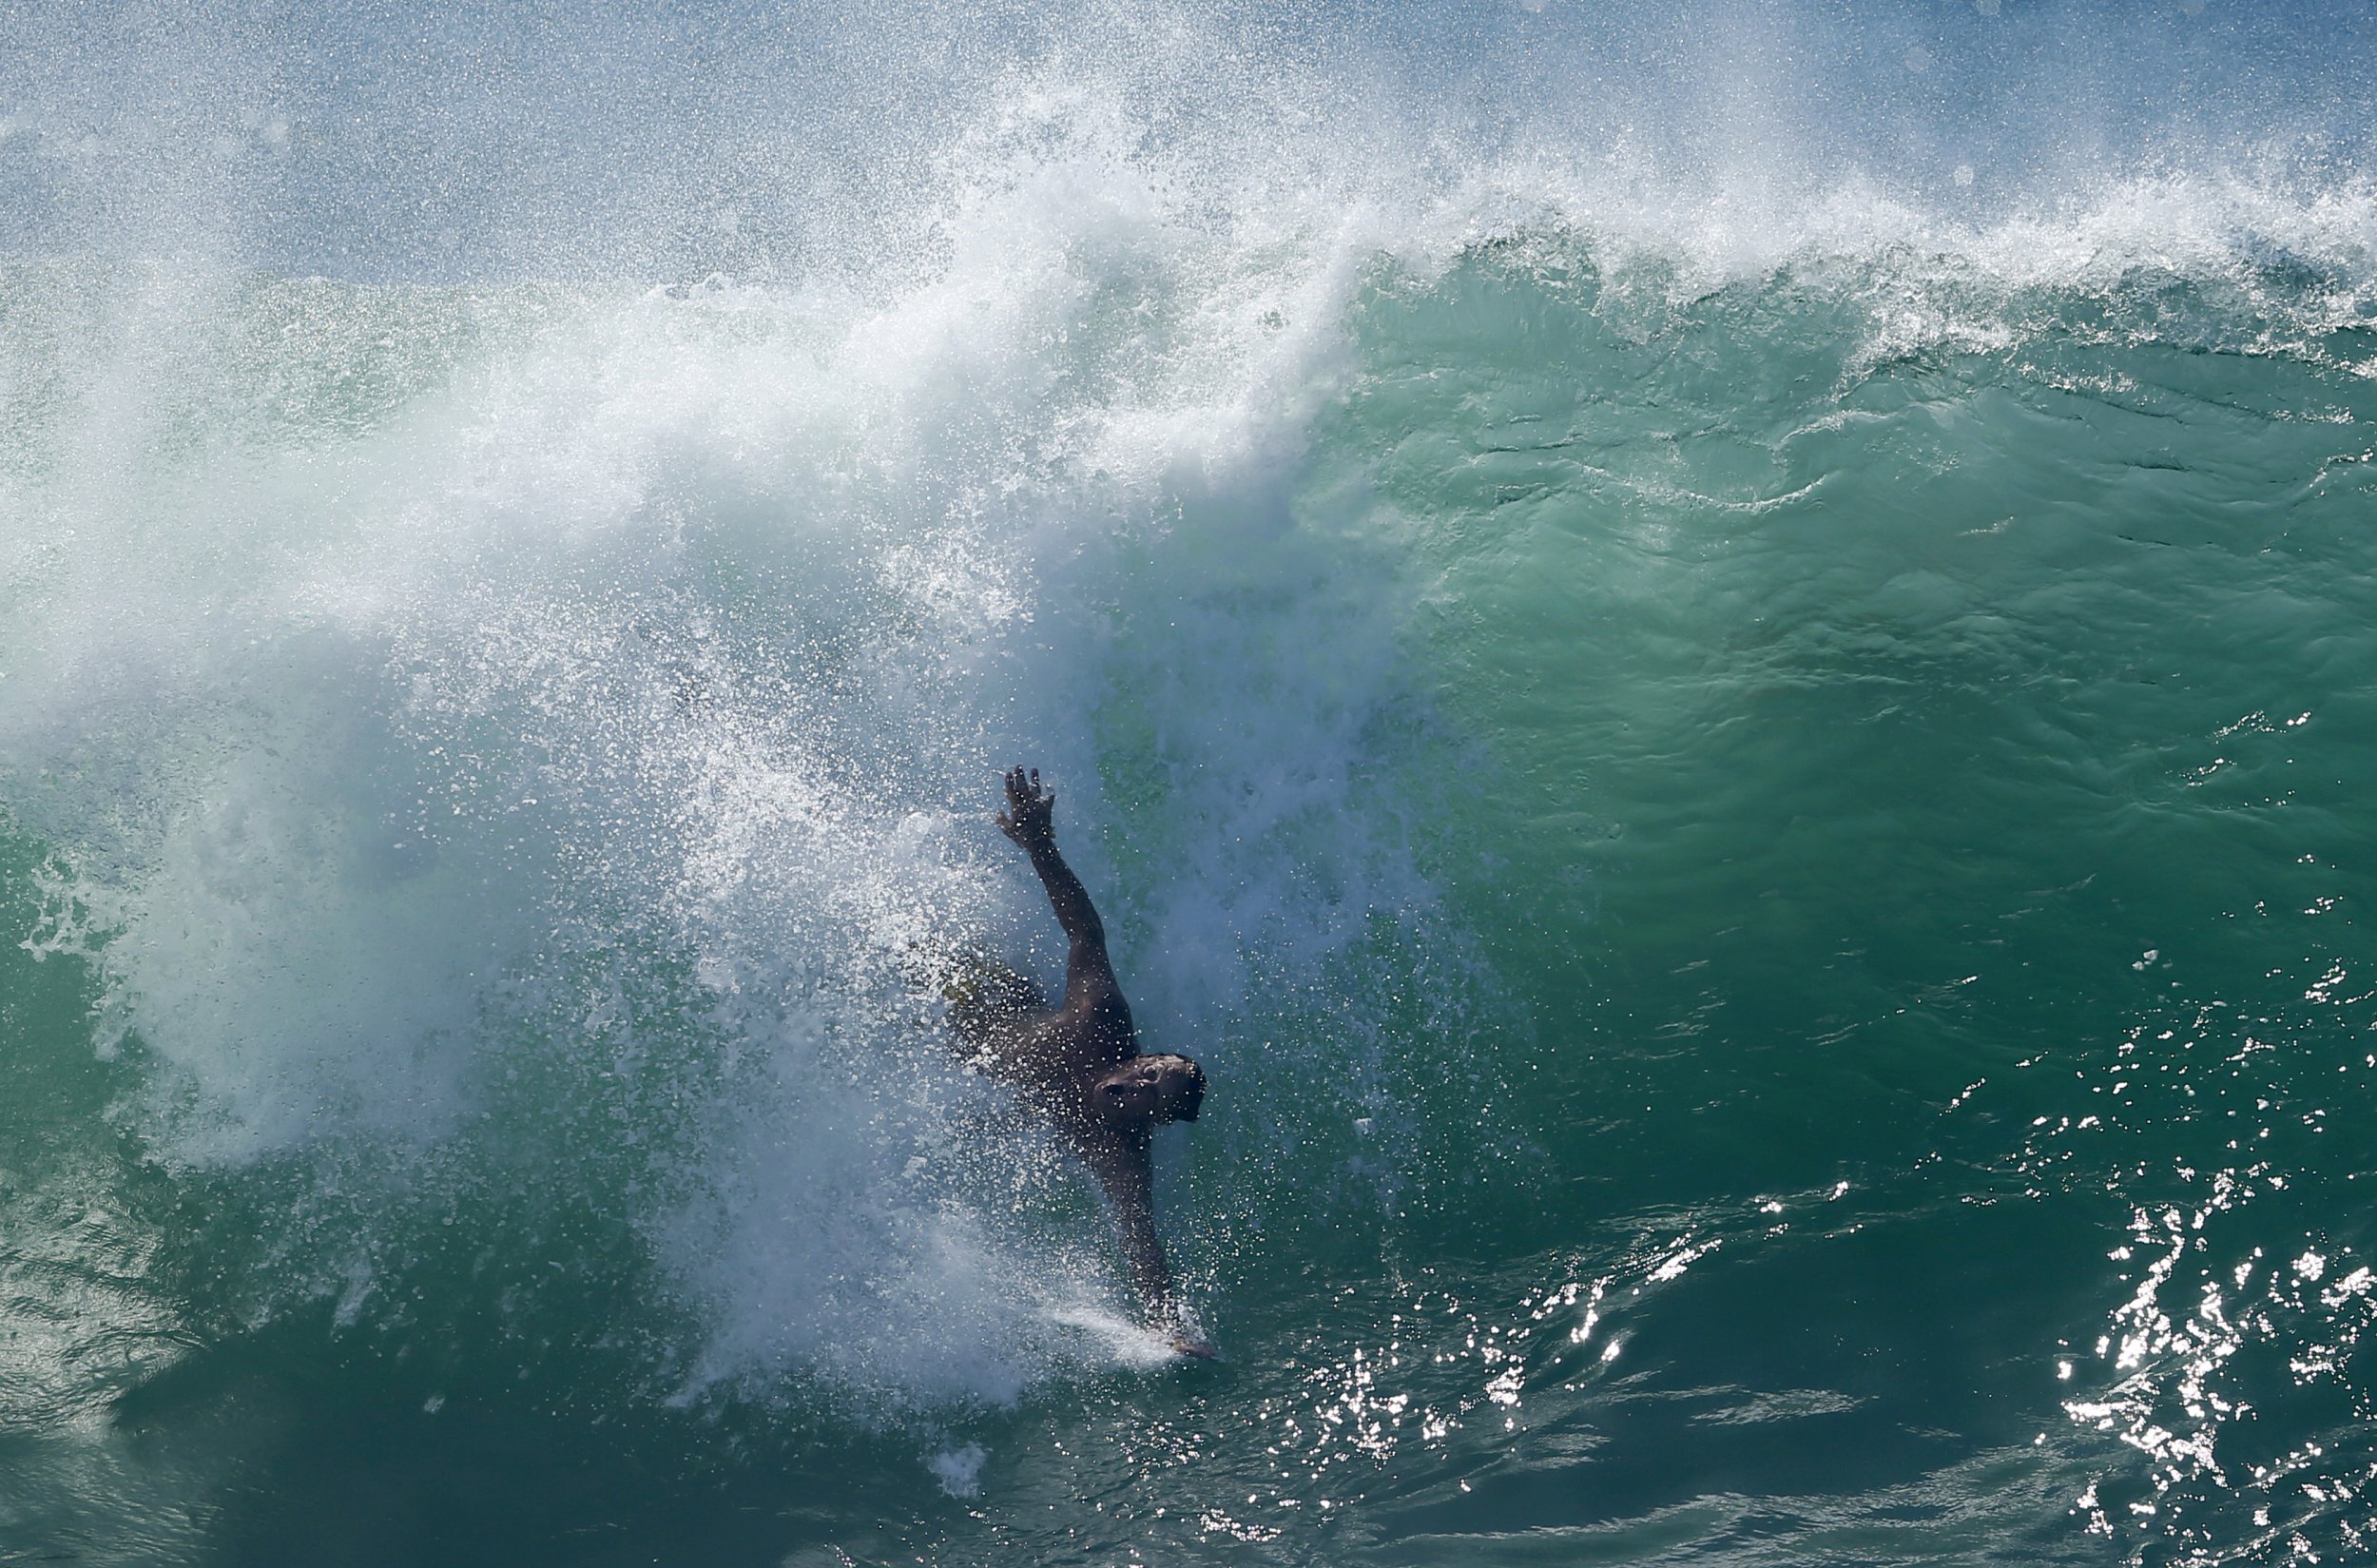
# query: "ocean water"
[[1721, 660]]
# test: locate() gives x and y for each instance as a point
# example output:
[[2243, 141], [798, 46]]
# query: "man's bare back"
[[1079, 1064]]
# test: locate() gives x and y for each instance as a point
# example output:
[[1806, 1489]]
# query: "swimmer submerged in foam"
[[1078, 1065]]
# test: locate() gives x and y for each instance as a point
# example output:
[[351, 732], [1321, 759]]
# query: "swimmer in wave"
[[1078, 1066]]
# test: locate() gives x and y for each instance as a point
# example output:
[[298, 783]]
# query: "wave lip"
[[815, 143]]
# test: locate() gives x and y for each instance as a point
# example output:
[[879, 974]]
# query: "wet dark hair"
[[1188, 1099]]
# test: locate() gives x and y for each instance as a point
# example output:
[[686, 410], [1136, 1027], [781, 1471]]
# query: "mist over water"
[[1717, 660]]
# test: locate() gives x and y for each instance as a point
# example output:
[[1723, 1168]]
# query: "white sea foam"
[[960, 1469], [624, 705]]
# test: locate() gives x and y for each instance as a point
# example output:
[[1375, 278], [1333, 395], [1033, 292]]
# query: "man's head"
[[1149, 1091]]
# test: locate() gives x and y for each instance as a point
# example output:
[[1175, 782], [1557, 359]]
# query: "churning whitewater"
[[1718, 664]]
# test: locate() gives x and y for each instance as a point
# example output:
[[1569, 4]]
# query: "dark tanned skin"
[[1080, 1064]]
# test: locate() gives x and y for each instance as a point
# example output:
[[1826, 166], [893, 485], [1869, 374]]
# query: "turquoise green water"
[[1761, 829]]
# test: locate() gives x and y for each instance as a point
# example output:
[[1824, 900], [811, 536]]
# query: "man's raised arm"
[[1028, 821]]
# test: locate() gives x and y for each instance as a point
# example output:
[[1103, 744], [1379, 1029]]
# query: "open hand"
[[1028, 819]]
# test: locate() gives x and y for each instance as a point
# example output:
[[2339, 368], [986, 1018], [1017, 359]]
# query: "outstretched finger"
[[1035, 783]]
